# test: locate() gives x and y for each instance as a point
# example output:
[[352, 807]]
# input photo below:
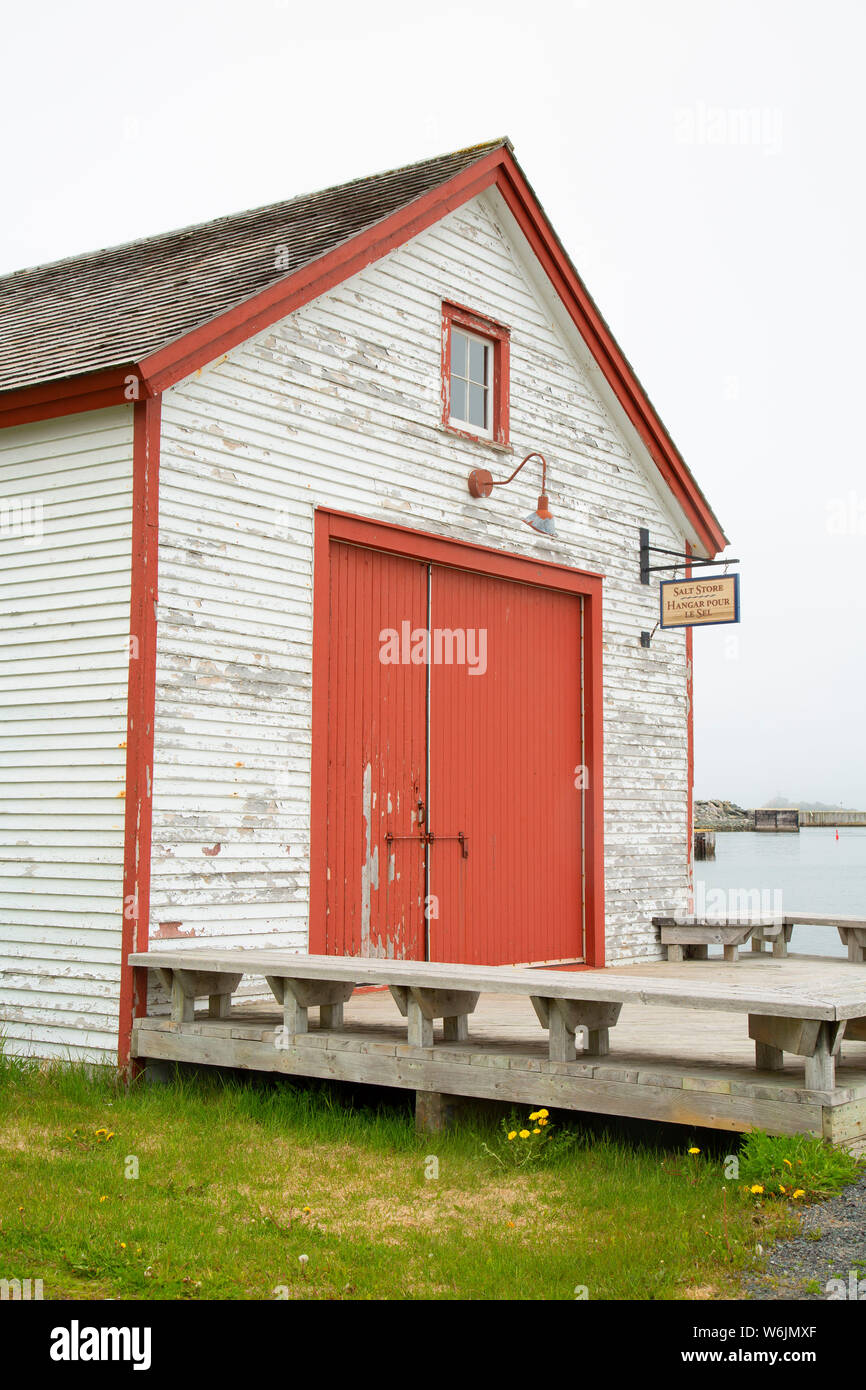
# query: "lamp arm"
[[505, 481]]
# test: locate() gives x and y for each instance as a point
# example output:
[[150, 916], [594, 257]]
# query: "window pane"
[[459, 344], [458, 399], [477, 406], [478, 361]]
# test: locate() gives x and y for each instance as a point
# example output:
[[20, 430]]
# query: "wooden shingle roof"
[[76, 333], [120, 305]]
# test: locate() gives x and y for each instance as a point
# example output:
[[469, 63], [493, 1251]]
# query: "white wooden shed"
[[232, 458]]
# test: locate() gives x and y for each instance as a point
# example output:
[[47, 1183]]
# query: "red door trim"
[[141, 705], [423, 545]]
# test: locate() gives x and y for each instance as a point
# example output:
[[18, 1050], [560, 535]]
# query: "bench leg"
[[456, 1028], [768, 1058], [815, 1041], [560, 1037], [821, 1066], [757, 945], [295, 1017], [732, 953], [420, 1006], [185, 986], [780, 946], [856, 952], [330, 1015], [299, 996], [563, 1017], [182, 1004], [597, 1042], [420, 1029], [675, 954]]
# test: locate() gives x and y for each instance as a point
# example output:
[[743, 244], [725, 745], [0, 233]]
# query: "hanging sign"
[[698, 602]]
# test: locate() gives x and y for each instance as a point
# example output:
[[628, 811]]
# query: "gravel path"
[[831, 1244]]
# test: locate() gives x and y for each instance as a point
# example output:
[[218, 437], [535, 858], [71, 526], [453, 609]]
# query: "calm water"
[[814, 871]]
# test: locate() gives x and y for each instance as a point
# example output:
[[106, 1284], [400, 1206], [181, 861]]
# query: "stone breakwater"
[[722, 815], [727, 815]]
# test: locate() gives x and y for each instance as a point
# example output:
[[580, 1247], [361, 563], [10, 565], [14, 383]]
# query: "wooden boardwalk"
[[667, 1062]]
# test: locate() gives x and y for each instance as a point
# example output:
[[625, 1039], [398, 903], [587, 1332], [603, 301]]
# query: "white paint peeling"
[[264, 436], [338, 405]]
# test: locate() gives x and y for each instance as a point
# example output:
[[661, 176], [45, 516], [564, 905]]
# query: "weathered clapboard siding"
[[339, 405], [64, 625]]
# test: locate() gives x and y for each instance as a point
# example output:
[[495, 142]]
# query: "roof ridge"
[[481, 149]]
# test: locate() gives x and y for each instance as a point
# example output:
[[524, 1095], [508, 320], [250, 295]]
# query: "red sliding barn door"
[[454, 828], [377, 755], [505, 744]]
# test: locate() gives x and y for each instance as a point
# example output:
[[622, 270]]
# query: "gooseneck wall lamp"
[[482, 483]]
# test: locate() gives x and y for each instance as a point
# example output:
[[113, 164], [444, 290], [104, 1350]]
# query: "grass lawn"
[[236, 1183]]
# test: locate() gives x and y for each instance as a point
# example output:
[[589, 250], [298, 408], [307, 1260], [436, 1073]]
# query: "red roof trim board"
[[532, 221], [71, 395], [496, 167]]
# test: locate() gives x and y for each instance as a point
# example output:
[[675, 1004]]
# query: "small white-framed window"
[[471, 382]]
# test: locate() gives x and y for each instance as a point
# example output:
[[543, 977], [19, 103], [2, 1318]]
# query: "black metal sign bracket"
[[646, 569]]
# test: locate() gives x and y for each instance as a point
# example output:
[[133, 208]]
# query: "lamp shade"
[[542, 518]]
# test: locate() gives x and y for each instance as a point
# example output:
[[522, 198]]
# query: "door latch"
[[429, 838], [464, 843]]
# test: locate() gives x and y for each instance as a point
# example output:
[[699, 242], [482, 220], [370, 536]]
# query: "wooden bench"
[[852, 931], [807, 1023], [691, 936]]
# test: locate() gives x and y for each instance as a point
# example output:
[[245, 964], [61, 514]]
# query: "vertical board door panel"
[[506, 741], [377, 757]]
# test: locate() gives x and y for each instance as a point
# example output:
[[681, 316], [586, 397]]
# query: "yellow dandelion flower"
[[103, 1199], [788, 1161], [524, 1134], [513, 1134], [757, 1188], [536, 1131], [694, 1151], [534, 1116], [123, 1245], [542, 1114], [781, 1188], [800, 1192], [541, 1120]]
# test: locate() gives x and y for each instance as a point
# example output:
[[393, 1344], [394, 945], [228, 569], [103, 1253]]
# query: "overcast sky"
[[702, 160]]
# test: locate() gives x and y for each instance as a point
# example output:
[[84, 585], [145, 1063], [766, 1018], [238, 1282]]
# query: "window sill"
[[483, 439]]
